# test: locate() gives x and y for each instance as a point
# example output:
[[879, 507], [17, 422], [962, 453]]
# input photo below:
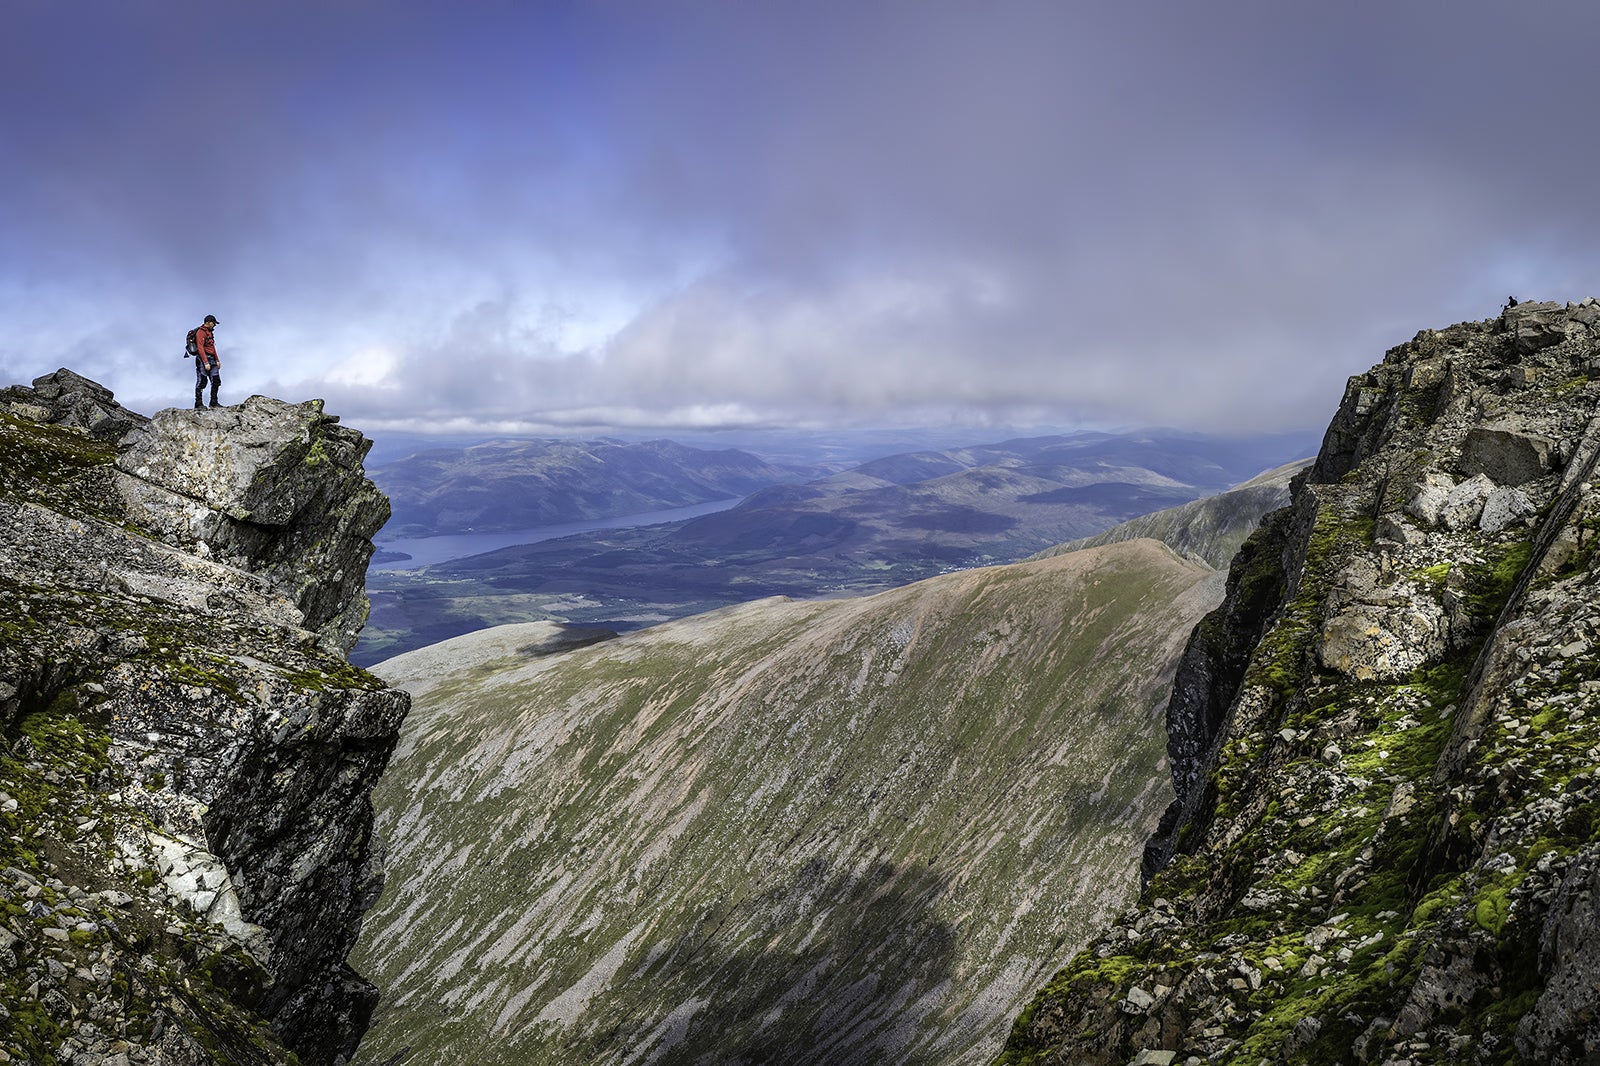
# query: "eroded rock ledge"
[[1385, 745], [185, 831]]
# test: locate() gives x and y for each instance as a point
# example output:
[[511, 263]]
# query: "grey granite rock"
[[1385, 742], [270, 487], [190, 755], [1464, 505], [1507, 453], [1428, 497], [1502, 507]]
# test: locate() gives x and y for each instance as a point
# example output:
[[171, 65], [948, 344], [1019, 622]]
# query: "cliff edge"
[[1384, 744], [186, 843]]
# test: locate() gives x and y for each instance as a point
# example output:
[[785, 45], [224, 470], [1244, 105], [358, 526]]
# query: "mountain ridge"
[[779, 832], [1210, 529], [853, 532]]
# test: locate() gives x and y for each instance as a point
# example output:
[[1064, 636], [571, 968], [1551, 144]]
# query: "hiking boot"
[[213, 404], [198, 396]]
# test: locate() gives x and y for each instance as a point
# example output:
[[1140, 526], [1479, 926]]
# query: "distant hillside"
[[885, 523], [505, 485], [1209, 529], [846, 832]]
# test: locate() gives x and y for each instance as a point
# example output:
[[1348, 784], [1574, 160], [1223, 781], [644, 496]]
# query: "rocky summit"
[[186, 839], [1384, 847]]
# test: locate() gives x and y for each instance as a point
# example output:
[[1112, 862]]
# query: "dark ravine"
[[186, 843], [1384, 746]]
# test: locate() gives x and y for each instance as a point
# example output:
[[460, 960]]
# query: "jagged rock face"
[[845, 832], [269, 487], [1384, 744], [185, 825]]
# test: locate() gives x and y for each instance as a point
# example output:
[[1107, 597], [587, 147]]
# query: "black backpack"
[[190, 349]]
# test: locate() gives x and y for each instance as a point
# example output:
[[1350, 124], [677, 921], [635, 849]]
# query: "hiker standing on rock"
[[206, 364]]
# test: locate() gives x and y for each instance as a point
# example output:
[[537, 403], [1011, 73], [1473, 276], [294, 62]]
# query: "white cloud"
[[814, 213]]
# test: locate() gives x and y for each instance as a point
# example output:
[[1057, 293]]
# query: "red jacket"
[[206, 345]]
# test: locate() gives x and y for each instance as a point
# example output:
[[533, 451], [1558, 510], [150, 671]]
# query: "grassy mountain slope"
[[842, 831]]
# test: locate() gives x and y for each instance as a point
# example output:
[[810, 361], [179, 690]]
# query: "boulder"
[[1508, 453], [1534, 335], [1369, 642], [64, 398], [1426, 374], [1427, 498], [1463, 506], [1536, 325], [1504, 506], [1394, 529], [271, 487]]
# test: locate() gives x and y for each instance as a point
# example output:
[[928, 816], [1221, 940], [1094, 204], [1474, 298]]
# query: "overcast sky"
[[541, 216]]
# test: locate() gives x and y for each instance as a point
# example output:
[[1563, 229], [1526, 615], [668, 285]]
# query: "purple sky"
[[528, 216]]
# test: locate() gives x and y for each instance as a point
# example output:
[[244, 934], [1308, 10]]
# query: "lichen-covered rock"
[[185, 831], [1502, 507], [1463, 506], [1386, 745], [269, 487], [1429, 496], [1508, 454], [1373, 642]]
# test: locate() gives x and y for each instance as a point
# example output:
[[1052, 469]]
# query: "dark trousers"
[[202, 374]]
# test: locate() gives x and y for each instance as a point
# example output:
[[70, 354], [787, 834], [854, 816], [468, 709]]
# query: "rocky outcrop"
[[1385, 745], [186, 841], [847, 831], [269, 487]]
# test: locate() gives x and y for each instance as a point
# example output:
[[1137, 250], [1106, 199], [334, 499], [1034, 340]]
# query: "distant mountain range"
[[884, 523], [503, 485], [1208, 530]]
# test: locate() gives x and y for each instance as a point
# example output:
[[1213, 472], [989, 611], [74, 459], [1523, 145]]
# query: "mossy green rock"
[[847, 831], [185, 832], [1386, 837]]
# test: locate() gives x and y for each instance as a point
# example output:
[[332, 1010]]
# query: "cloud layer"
[[621, 215]]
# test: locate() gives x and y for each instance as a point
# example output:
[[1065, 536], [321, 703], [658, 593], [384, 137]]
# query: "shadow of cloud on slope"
[[829, 970]]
